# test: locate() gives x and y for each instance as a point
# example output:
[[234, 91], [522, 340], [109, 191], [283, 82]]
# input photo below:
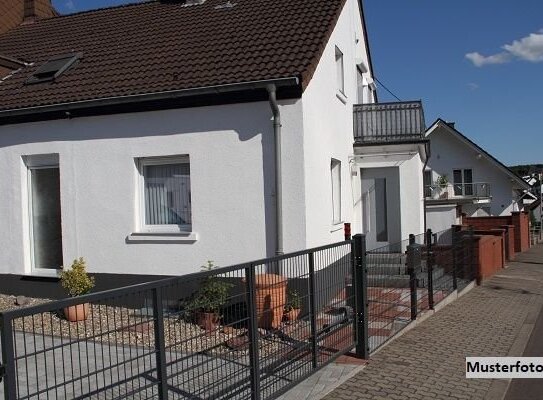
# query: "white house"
[[462, 178], [152, 137]]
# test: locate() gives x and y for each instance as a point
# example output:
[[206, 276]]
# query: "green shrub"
[[293, 300], [212, 294], [76, 280]]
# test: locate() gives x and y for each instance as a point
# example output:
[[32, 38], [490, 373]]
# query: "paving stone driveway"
[[428, 362]]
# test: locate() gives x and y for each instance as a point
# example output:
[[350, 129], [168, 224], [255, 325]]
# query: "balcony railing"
[[388, 122], [457, 191]]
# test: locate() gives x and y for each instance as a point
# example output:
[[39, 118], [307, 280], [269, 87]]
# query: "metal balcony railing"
[[457, 191], [388, 122]]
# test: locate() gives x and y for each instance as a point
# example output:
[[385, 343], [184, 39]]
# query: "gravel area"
[[123, 326]]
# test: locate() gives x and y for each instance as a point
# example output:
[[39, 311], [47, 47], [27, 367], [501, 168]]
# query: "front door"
[[380, 206]]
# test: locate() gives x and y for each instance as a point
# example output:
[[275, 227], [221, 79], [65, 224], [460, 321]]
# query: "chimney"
[[37, 9], [451, 124], [29, 14]]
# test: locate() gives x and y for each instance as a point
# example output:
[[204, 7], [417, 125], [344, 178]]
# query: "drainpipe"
[[272, 92], [427, 151]]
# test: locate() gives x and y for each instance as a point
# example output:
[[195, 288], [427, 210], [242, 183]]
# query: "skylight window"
[[53, 68]]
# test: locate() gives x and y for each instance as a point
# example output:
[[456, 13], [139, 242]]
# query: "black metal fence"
[[250, 331], [218, 334], [412, 276]]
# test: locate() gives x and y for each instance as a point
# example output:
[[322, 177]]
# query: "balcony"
[[458, 193], [389, 123]]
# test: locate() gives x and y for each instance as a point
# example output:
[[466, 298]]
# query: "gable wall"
[[449, 153], [328, 131]]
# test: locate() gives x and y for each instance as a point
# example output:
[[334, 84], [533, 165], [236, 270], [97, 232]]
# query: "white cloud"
[[528, 48], [479, 60], [70, 5], [473, 86]]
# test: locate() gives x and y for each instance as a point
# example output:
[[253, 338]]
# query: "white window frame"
[[336, 219], [35, 162], [142, 162], [340, 71]]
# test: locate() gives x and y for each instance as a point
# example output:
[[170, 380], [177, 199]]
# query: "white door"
[[380, 206]]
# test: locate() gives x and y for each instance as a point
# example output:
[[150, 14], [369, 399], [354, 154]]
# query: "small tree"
[[293, 301], [76, 280], [212, 294]]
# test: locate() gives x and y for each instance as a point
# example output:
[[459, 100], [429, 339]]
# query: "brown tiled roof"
[[162, 46]]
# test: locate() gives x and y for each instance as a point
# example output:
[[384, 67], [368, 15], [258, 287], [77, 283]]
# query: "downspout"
[[427, 151], [272, 92]]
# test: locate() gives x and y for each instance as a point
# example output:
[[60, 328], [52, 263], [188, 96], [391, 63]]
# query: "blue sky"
[[476, 62]]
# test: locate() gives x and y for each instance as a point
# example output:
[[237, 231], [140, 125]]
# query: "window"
[[462, 182], [44, 213], [53, 68], [427, 181], [381, 215], [165, 194], [340, 72], [335, 169]]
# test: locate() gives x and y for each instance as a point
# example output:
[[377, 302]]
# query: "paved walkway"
[[428, 362]]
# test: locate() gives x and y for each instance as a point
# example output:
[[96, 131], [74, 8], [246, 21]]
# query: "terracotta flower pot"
[[292, 315], [76, 313], [271, 296], [207, 321]]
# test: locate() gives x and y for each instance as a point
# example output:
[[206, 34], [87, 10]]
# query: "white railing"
[[457, 191]]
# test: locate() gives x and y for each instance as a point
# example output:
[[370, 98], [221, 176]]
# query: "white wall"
[[328, 131], [412, 196], [232, 186], [449, 152], [441, 217]]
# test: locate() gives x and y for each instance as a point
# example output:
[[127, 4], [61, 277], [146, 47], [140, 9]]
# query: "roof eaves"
[[68, 108]]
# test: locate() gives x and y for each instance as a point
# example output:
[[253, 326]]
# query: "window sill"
[[341, 97], [44, 273], [337, 227], [156, 237]]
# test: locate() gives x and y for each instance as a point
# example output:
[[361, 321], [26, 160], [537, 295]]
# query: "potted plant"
[[207, 301], [293, 306], [77, 282], [442, 182]]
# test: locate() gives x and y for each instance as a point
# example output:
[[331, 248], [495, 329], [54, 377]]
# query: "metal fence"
[[412, 276], [219, 334], [250, 331]]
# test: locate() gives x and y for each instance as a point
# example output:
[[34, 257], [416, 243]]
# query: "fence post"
[[455, 259], [313, 309], [472, 264], [360, 285], [430, 268], [7, 365], [253, 332], [160, 346], [411, 256]]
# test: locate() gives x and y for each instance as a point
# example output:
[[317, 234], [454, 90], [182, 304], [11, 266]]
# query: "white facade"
[[452, 151], [231, 153]]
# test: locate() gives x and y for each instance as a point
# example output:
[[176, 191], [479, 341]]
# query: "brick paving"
[[428, 362]]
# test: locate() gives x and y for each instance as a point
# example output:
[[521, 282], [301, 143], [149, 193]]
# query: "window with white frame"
[[335, 170], [340, 71], [165, 194]]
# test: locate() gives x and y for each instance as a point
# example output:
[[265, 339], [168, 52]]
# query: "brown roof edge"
[[11, 63], [68, 108]]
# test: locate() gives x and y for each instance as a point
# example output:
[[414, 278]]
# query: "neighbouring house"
[[462, 178], [152, 137], [16, 12]]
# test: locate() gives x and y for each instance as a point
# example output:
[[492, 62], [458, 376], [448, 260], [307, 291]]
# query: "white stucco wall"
[[441, 217], [411, 196], [232, 183], [449, 152], [328, 131]]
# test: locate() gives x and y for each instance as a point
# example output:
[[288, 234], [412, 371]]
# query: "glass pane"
[[457, 180], [167, 194], [468, 179], [381, 217], [46, 218], [336, 191]]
